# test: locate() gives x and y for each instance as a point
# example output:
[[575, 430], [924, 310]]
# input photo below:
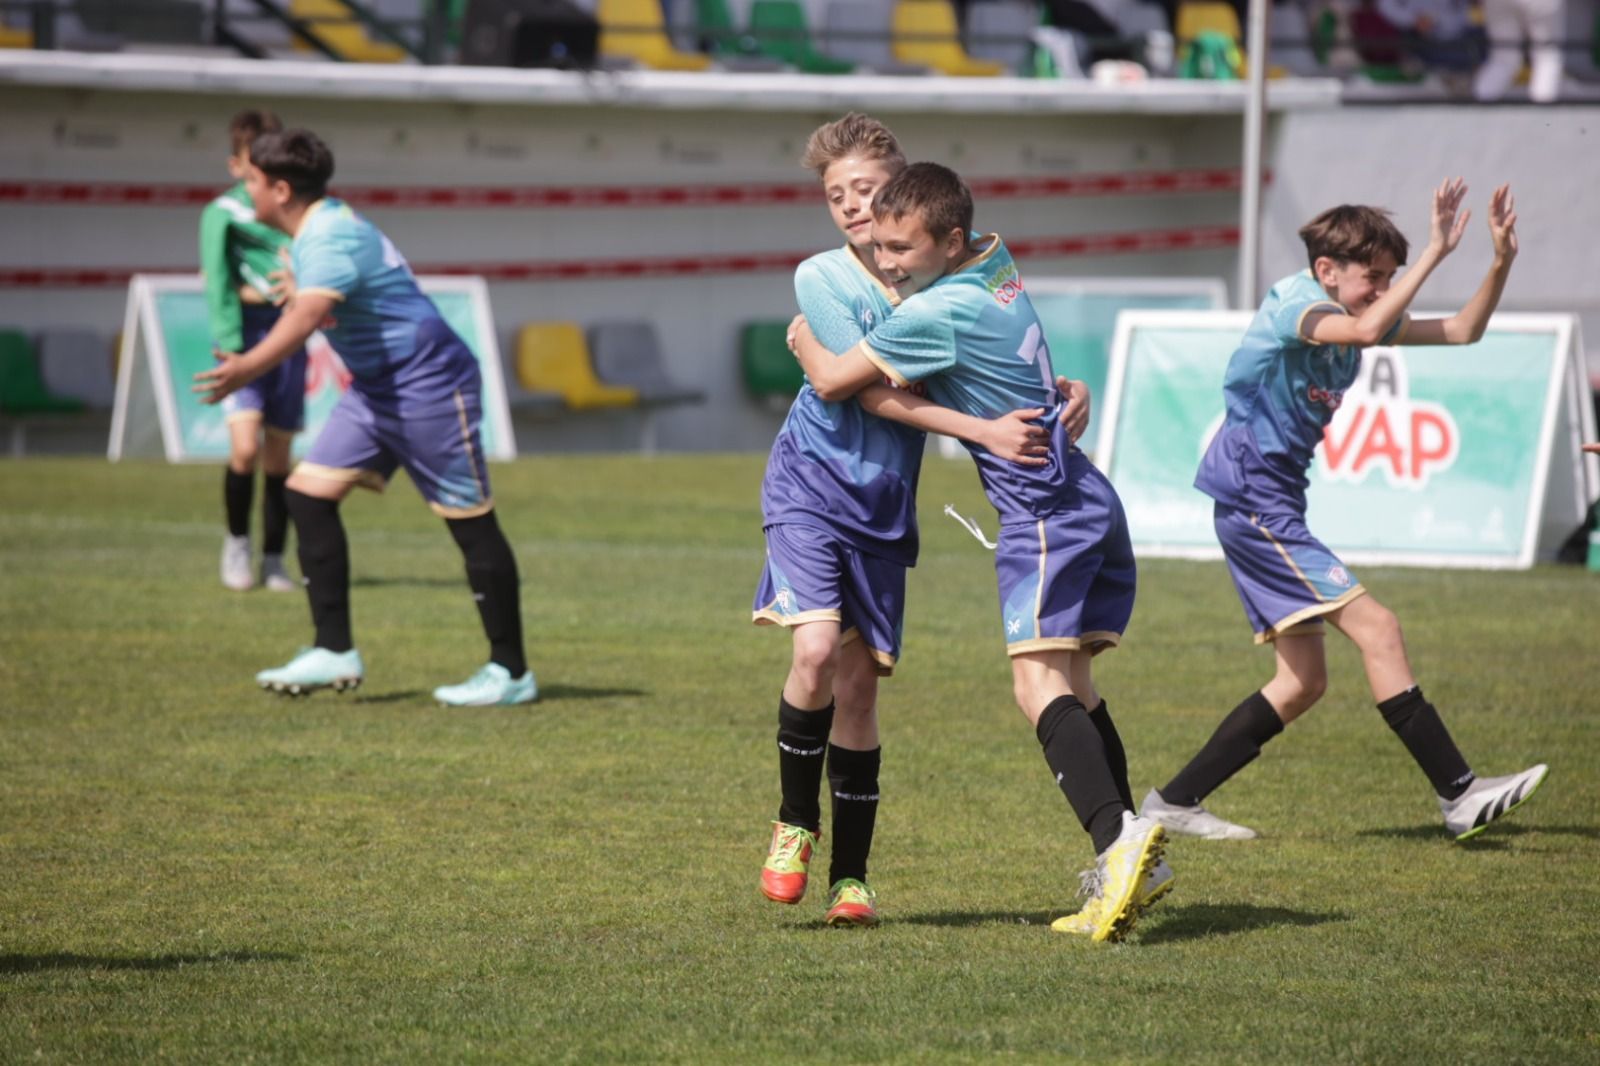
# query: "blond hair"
[[853, 135]]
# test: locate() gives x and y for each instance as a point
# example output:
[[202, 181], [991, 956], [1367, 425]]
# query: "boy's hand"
[[282, 279], [1592, 448], [1447, 226], [1503, 223], [220, 381], [1075, 416], [1016, 437], [791, 337]]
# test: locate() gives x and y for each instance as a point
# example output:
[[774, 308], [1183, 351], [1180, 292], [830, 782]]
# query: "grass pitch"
[[194, 871]]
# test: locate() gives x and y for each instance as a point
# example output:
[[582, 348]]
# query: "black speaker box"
[[529, 33]]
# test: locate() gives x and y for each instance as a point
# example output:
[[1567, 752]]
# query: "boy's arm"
[[1375, 323], [1012, 436], [222, 291], [833, 377], [288, 335], [1467, 325]]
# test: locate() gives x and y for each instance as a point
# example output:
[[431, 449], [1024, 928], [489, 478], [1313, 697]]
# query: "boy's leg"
[[1073, 749], [238, 485], [313, 503], [854, 757], [275, 509], [496, 587]]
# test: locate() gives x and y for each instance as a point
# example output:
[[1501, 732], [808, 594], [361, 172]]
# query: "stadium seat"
[[770, 371], [636, 30], [553, 357], [343, 32], [628, 354], [76, 364], [999, 31], [859, 32], [15, 37], [780, 30], [1200, 16], [716, 32], [925, 32]]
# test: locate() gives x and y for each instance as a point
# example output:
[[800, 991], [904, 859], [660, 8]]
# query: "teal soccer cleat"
[[491, 686], [314, 668]]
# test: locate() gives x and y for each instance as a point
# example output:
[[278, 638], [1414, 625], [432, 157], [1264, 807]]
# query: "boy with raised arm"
[[1300, 354], [415, 400], [839, 516], [965, 330]]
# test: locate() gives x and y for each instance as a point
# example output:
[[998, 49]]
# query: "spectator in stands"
[[1508, 22], [245, 285]]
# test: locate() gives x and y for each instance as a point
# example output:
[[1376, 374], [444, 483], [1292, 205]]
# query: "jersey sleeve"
[[827, 311], [1288, 321], [323, 264], [222, 290], [916, 342]]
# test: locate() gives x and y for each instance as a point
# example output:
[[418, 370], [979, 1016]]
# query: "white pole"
[[1249, 290]]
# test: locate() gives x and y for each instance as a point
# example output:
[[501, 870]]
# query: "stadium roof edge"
[[782, 92]]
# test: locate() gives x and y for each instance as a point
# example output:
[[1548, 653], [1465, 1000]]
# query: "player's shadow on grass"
[[453, 581], [959, 919], [1196, 921], [547, 693], [17, 964], [1495, 837]]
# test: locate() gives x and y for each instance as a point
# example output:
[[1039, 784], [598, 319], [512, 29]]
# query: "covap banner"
[[1441, 456]]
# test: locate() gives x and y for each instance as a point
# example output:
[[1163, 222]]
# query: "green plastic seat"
[[718, 34], [770, 370], [22, 389], [780, 31]]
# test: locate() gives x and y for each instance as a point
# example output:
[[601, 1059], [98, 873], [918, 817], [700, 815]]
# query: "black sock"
[[1116, 757], [492, 573], [802, 745], [1077, 756], [1420, 729], [853, 779], [325, 566], [274, 514], [236, 489], [1236, 742]]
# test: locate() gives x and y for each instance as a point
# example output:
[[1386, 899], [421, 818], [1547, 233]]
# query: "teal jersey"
[[834, 465], [1281, 390], [235, 250], [973, 339], [398, 348]]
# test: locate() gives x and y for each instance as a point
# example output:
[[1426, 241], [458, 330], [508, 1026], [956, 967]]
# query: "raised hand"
[[1447, 225], [1503, 223]]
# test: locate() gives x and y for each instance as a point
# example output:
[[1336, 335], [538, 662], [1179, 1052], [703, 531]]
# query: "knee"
[[242, 457], [1382, 635], [855, 690], [1304, 690], [815, 660]]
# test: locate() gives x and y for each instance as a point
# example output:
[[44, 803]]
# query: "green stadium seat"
[[771, 373], [780, 30], [22, 389]]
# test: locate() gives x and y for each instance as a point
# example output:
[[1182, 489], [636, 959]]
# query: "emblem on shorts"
[[1339, 576], [785, 600]]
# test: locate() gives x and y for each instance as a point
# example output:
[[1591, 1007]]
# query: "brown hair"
[[246, 126], [937, 193], [854, 134], [1351, 234], [295, 156]]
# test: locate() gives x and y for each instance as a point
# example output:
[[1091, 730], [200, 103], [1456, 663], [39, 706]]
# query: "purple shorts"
[[439, 448], [1067, 580], [812, 576], [1286, 578], [277, 397]]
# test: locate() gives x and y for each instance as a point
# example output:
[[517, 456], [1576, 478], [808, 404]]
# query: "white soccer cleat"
[[274, 577], [313, 669], [1489, 798], [491, 686], [235, 565], [1193, 821]]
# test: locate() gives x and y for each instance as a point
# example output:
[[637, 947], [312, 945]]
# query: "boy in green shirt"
[[245, 280]]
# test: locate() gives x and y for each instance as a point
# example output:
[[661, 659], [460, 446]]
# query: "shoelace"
[[970, 526], [852, 892], [790, 841], [1090, 883]]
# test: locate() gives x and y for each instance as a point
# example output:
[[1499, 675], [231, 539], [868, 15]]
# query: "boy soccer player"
[[1299, 355], [839, 503], [966, 330], [240, 258], [415, 401]]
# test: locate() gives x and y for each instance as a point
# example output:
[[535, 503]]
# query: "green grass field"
[[193, 871]]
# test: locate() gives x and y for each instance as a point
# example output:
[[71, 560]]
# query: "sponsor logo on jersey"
[[1339, 576], [1329, 398], [1005, 284], [1378, 426]]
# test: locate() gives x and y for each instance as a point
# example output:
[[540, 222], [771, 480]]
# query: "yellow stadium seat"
[[636, 29], [349, 38], [1197, 16], [925, 33], [554, 357], [11, 37]]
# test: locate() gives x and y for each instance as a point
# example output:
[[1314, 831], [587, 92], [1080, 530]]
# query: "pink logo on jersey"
[[1377, 425], [1339, 576], [324, 367], [1329, 398], [1005, 284]]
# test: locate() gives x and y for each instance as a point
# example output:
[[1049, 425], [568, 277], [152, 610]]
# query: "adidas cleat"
[[1193, 821], [783, 875], [852, 903], [1489, 798], [313, 669], [491, 686]]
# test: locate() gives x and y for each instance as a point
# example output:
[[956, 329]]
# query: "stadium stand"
[[339, 27], [716, 33], [553, 358], [860, 33], [628, 354], [636, 30], [770, 373], [26, 403], [75, 364], [999, 31], [780, 31], [925, 32]]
